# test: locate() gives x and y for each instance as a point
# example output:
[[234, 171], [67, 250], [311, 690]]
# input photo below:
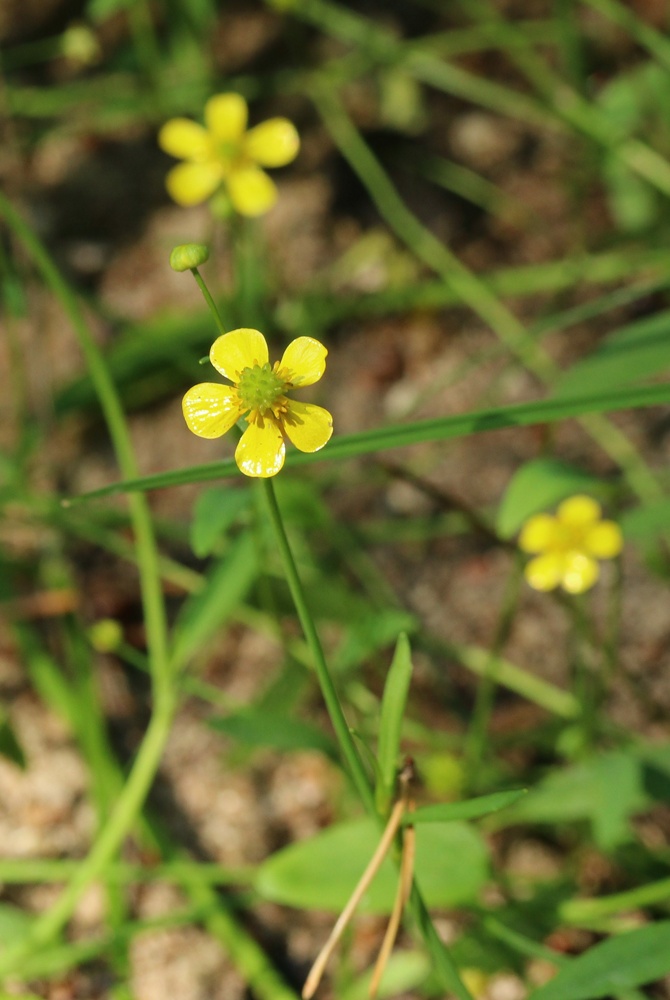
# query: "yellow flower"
[[223, 152], [568, 545], [211, 409]]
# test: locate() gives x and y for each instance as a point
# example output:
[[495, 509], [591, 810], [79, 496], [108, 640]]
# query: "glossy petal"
[[539, 533], [578, 511], [226, 117], [546, 571], [305, 360], [309, 427], [210, 409], [193, 183], [251, 191], [239, 349], [273, 143], [186, 140], [261, 450], [580, 572], [604, 540]]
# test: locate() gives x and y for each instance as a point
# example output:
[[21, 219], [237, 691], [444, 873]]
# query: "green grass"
[[559, 326]]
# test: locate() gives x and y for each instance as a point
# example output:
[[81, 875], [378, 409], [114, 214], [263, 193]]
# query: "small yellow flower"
[[568, 545], [223, 152], [211, 409]]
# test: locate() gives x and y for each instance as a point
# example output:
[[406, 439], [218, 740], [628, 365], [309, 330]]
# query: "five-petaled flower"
[[224, 153], [259, 390], [566, 547]]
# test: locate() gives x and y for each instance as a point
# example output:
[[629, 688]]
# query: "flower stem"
[[134, 792], [342, 731], [208, 299]]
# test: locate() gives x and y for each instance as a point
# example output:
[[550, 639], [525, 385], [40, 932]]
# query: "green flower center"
[[569, 537], [260, 387], [227, 150]]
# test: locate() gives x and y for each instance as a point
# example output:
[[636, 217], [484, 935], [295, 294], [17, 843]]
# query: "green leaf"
[[647, 521], [606, 789], [441, 429], [631, 353], [320, 873], [632, 201], [259, 728], [14, 924], [10, 748], [214, 512], [208, 610], [404, 973], [372, 630], [448, 812], [394, 700], [540, 485], [608, 969]]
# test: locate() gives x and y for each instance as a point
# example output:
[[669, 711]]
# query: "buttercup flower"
[[568, 545], [223, 152], [259, 390]]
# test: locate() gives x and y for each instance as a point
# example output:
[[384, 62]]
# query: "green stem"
[[340, 725], [471, 289], [106, 845], [148, 758], [208, 299]]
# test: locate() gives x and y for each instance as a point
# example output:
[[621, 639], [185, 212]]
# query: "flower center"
[[260, 387], [227, 150], [569, 537]]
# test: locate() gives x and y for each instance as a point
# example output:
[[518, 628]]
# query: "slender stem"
[[342, 731], [208, 299], [469, 287], [128, 805], [134, 792]]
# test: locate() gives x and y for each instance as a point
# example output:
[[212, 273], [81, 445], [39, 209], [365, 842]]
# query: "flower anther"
[[259, 394], [567, 546], [223, 153]]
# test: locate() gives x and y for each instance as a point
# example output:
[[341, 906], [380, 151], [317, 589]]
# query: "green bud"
[[81, 45], [105, 635], [188, 255]]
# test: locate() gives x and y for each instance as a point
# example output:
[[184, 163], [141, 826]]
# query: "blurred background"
[[478, 217]]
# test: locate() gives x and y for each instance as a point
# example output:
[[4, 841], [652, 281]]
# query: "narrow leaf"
[[321, 872], [394, 700], [209, 609], [613, 966], [633, 352], [448, 812], [421, 431], [214, 512], [259, 728]]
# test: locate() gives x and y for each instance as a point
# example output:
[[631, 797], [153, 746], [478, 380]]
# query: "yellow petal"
[[272, 143], [578, 511], [304, 360], [540, 532], [239, 349], [261, 450], [545, 572], [192, 183], [604, 540], [251, 191], [580, 572], [211, 409], [186, 140], [309, 427], [226, 116]]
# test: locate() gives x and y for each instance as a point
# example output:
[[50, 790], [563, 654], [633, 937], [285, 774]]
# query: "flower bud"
[[188, 255], [105, 635]]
